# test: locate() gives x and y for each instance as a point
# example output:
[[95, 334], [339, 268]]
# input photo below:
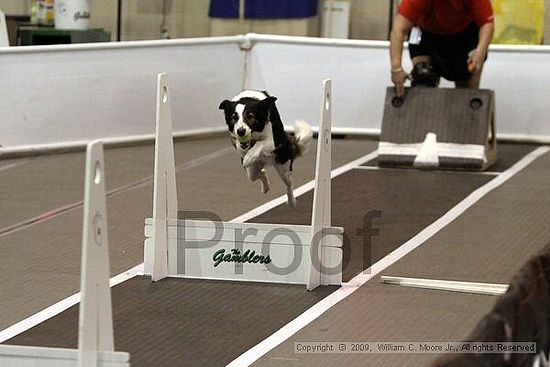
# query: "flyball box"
[[462, 120]]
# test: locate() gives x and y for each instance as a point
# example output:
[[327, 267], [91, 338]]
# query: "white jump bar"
[[448, 285]]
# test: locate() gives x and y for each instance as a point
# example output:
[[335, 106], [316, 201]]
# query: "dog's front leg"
[[253, 156], [255, 172], [260, 152], [284, 171]]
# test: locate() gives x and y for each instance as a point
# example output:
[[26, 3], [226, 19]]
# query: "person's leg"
[[423, 73], [421, 58], [472, 82], [418, 54], [465, 42], [418, 50]]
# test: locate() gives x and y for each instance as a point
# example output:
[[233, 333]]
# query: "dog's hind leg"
[[254, 173], [284, 171], [265, 181]]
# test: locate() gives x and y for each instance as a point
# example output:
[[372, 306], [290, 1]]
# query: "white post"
[[95, 325], [4, 39], [327, 17], [242, 7], [320, 216], [165, 200]]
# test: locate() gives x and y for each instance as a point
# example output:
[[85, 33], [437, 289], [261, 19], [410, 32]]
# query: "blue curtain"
[[264, 8]]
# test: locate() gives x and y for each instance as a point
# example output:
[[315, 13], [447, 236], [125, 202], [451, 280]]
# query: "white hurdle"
[[320, 216], [165, 197], [275, 253], [95, 326]]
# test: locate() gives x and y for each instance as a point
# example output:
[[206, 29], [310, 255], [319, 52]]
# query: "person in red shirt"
[[447, 38]]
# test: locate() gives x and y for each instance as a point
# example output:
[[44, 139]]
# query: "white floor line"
[[14, 164], [60, 306], [70, 301], [253, 354], [376, 168], [53, 213]]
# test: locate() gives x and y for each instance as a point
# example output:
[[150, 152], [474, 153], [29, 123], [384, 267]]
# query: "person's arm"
[[480, 53], [400, 29]]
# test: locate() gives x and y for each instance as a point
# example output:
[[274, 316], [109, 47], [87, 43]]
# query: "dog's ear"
[[224, 104], [270, 100], [267, 102]]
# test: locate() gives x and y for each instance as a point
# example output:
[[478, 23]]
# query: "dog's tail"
[[303, 135]]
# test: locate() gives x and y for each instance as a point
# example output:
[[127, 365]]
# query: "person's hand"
[[398, 77], [476, 59]]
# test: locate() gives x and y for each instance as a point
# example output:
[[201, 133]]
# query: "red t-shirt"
[[446, 16]]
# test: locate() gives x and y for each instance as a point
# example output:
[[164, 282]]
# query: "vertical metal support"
[[4, 39], [119, 21], [242, 12], [390, 17], [246, 47], [95, 325], [321, 216], [329, 4], [165, 200]]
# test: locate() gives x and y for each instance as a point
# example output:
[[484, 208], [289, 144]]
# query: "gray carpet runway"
[[206, 323]]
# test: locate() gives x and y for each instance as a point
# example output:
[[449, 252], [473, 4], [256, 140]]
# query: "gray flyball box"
[[438, 128]]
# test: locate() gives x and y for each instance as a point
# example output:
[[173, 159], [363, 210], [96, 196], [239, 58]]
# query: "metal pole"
[[390, 19], [119, 20], [328, 29], [242, 5]]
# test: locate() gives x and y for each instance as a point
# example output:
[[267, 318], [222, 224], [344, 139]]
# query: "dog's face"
[[246, 115]]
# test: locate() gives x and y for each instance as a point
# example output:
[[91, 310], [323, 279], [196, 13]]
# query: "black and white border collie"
[[259, 136]]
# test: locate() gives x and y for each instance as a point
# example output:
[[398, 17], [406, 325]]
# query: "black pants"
[[448, 52]]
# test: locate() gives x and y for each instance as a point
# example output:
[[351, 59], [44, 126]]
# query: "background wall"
[[189, 18], [359, 74], [107, 90], [14, 6], [369, 19]]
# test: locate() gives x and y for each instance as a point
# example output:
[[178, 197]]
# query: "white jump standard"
[[95, 326], [205, 249]]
